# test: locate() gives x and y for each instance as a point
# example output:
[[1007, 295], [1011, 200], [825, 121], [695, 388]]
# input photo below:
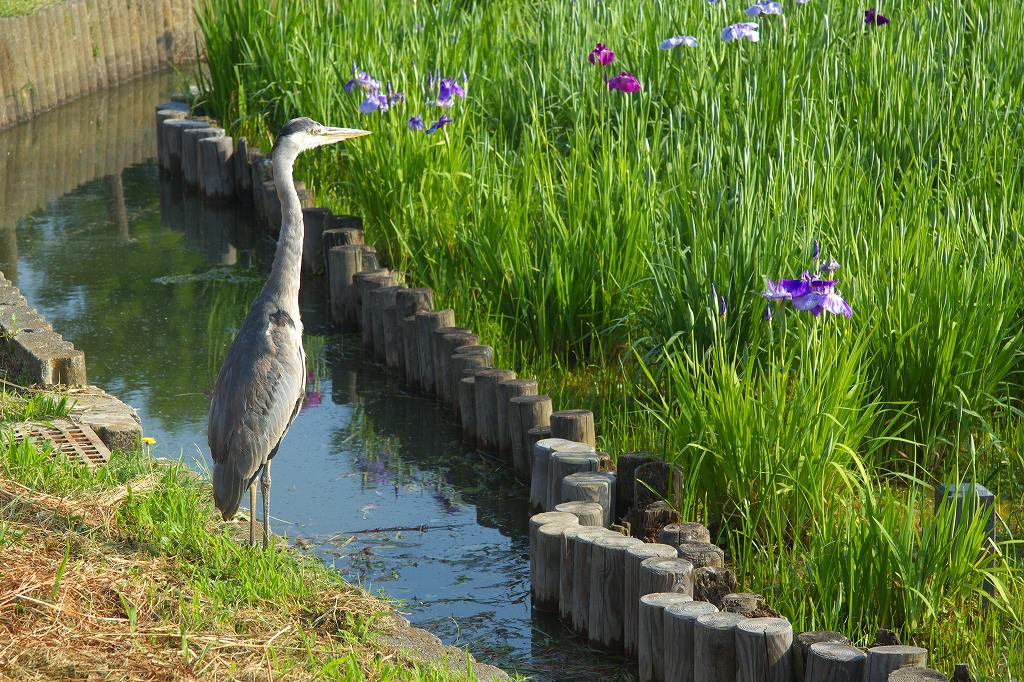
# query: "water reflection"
[[152, 284]]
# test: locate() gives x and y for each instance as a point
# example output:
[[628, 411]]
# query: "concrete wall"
[[67, 50]]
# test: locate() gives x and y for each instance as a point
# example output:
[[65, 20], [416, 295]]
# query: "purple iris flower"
[[438, 124], [601, 55], [363, 80], [744, 29], [810, 294], [874, 18], [447, 89], [375, 101], [676, 41], [761, 9], [817, 250], [624, 82], [415, 123], [832, 265]]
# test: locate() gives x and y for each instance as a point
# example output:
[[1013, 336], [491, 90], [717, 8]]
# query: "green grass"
[[584, 230], [15, 8], [139, 544]]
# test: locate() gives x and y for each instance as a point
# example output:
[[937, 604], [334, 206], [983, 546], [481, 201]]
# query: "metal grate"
[[77, 442]]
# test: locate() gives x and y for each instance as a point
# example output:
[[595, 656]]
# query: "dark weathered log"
[[243, 171], [548, 550], [408, 302], [702, 554], [568, 459], [625, 468], [711, 584], [647, 521], [680, 620], [536, 521], [666, 574], [466, 358], [313, 256], [651, 639], [885, 637], [363, 283], [676, 534], [566, 569], [447, 341], [802, 644], [746, 604], [607, 576], [526, 412], [540, 470], [589, 513], [162, 150], [591, 487], [882, 660], [344, 262], [174, 132], [371, 260], [916, 674], [657, 481], [507, 390], [763, 650], [380, 300], [961, 673], [337, 237], [714, 647], [574, 425], [579, 609], [343, 222], [487, 408], [633, 559], [190, 152], [467, 410], [394, 349], [426, 322], [834, 662]]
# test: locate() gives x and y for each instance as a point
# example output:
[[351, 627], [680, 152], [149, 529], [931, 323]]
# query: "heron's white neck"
[[286, 272]]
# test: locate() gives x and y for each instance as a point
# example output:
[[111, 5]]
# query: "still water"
[[152, 284]]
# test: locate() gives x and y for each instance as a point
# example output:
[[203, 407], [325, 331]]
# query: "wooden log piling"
[[882, 660], [473, 356], [917, 674], [633, 558], [568, 459], [666, 574], [446, 341], [525, 413], [834, 662], [467, 410], [344, 263], [366, 282], [714, 647], [217, 168], [539, 471], [162, 145], [174, 133], [651, 639], [712, 584], [764, 650], [190, 152], [802, 643], [680, 620], [676, 534], [426, 322], [702, 554], [549, 552], [607, 577], [508, 389], [408, 302], [574, 425], [566, 567], [588, 513], [591, 487], [487, 408]]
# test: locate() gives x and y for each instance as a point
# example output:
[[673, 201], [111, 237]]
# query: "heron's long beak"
[[339, 134]]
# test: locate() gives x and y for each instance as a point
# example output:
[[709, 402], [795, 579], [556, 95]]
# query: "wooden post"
[[381, 300], [834, 662], [714, 647], [607, 577], [588, 513], [651, 640], [487, 408], [426, 322], [802, 644], [549, 552], [447, 340], [371, 259], [574, 425], [342, 222], [746, 604], [526, 412], [467, 410], [363, 283], [581, 563], [217, 168], [512, 388], [882, 660], [566, 567], [162, 148], [540, 469], [591, 487], [174, 131], [313, 256], [702, 554], [408, 302], [655, 482], [625, 468], [712, 584], [333, 235], [917, 674], [536, 521], [763, 650], [676, 534], [666, 574], [568, 459], [394, 353], [190, 152], [634, 557], [344, 262], [647, 521], [243, 170], [468, 357], [680, 620]]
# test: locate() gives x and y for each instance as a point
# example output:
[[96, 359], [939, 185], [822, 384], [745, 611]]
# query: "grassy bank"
[[581, 230], [128, 573]]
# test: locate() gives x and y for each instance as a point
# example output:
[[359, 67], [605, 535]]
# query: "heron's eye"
[[318, 130]]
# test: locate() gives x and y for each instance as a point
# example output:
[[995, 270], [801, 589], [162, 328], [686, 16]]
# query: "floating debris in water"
[[227, 275]]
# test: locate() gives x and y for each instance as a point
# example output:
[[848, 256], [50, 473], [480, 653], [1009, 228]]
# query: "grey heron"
[[261, 384]]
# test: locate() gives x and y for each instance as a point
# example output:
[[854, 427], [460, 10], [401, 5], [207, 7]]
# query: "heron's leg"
[[265, 491], [252, 513]]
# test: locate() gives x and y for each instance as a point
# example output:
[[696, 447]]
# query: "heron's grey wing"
[[254, 401]]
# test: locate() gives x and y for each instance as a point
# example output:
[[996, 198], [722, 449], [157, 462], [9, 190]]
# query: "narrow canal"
[[152, 284]]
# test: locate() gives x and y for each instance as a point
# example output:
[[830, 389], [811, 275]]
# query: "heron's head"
[[300, 134]]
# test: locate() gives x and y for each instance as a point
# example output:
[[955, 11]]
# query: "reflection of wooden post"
[[117, 207]]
